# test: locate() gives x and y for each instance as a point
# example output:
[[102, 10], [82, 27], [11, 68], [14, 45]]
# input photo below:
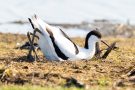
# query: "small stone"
[[119, 83]]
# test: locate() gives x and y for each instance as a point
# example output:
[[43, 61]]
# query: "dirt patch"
[[15, 69]]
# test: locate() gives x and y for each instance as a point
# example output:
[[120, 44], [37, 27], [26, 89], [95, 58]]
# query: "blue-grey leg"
[[98, 51], [31, 41]]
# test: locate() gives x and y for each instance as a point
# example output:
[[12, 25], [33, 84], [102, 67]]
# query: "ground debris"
[[94, 72], [70, 82], [126, 80], [109, 49], [119, 83], [26, 45], [131, 73], [11, 75]]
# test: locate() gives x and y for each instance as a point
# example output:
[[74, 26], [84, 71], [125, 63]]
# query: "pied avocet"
[[56, 45]]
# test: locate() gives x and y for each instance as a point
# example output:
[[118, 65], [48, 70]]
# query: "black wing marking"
[[57, 50], [31, 23], [65, 35]]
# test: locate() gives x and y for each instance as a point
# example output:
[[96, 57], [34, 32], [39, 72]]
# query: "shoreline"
[[106, 27]]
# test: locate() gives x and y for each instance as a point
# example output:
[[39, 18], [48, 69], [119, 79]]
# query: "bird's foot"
[[30, 58]]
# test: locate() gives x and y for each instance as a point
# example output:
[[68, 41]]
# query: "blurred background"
[[111, 17]]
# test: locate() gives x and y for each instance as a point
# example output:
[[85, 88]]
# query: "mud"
[[15, 68]]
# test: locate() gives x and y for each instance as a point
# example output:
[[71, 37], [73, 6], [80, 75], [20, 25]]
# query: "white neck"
[[91, 46]]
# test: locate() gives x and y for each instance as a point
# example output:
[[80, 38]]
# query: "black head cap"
[[94, 32]]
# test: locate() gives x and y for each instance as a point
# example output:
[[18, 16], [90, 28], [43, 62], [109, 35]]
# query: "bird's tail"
[[34, 22]]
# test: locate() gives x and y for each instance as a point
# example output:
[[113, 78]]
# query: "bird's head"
[[92, 36]]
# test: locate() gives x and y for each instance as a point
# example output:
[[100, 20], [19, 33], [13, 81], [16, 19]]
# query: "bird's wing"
[[63, 45]]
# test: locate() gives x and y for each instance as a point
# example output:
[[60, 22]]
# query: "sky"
[[71, 11]]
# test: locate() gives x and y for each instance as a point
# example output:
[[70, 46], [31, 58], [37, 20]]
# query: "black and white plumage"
[[56, 45]]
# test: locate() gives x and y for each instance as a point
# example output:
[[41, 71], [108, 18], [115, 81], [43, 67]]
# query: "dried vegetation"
[[111, 72]]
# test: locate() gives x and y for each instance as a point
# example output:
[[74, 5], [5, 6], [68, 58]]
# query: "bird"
[[56, 44]]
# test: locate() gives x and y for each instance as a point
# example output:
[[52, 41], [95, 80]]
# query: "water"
[[15, 28], [23, 29], [76, 32]]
